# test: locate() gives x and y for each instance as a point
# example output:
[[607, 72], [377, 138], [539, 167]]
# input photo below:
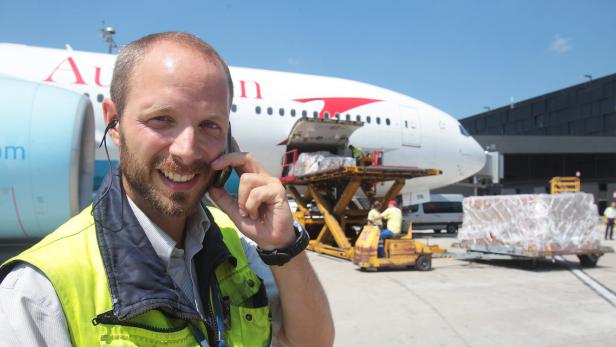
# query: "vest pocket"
[[151, 328], [118, 335], [254, 325], [246, 310]]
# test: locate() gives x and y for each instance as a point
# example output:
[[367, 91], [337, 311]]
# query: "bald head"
[[132, 55]]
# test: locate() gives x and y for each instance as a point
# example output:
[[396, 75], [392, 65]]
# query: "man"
[[374, 215], [358, 154], [610, 214], [393, 216], [146, 264]]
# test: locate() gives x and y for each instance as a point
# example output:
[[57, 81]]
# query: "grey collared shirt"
[[179, 262], [31, 313]]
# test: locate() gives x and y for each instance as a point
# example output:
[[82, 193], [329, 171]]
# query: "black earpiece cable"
[[110, 126]]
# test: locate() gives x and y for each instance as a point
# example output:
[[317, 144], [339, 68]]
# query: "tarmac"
[[467, 303], [471, 303]]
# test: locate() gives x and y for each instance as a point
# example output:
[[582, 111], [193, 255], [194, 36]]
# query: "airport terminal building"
[[563, 133]]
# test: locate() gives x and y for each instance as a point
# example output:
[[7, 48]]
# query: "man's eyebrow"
[[216, 116], [157, 109]]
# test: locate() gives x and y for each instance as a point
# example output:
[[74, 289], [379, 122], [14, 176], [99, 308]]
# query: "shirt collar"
[[164, 246]]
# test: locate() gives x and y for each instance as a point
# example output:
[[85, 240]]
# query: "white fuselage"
[[410, 132]]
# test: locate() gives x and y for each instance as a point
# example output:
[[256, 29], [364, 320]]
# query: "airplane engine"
[[46, 157]]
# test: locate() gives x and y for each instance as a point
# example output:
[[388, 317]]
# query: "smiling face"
[[174, 125]]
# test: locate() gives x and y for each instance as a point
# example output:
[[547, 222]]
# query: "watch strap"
[[280, 256]]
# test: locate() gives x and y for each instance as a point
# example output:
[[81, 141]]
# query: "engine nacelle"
[[46, 157]]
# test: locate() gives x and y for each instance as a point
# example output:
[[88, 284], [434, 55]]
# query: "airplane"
[[45, 151]]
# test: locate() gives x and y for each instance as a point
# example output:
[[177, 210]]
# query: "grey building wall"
[[586, 109], [557, 134]]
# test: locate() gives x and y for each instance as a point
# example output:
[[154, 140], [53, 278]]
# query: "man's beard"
[[138, 175]]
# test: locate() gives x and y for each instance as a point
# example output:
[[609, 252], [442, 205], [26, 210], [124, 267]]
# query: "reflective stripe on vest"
[[71, 260]]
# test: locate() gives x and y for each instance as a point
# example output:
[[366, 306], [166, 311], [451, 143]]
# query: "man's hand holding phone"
[[261, 211]]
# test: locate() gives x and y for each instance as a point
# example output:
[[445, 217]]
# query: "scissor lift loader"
[[332, 224], [325, 200]]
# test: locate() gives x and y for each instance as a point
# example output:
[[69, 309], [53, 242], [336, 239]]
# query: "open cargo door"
[[310, 134]]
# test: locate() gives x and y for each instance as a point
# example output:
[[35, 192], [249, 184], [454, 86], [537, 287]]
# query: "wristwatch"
[[280, 256]]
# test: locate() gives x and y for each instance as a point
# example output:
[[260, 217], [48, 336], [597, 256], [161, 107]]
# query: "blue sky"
[[459, 56]]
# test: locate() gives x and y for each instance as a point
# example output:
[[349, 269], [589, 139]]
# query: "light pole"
[[107, 34]]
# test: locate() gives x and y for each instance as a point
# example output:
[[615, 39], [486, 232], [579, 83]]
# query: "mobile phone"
[[221, 176]]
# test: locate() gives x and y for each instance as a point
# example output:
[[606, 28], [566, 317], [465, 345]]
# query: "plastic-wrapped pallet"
[[538, 223], [314, 162]]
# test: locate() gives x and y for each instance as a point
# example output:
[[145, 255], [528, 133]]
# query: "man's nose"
[[185, 147]]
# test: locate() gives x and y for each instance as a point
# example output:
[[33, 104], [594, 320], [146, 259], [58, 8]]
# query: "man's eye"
[[210, 125], [161, 120]]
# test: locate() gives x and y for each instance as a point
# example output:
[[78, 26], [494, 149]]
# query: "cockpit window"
[[463, 131]]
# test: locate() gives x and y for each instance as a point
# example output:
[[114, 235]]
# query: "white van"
[[443, 211]]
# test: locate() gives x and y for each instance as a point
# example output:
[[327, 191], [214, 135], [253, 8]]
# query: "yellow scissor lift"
[[331, 225]]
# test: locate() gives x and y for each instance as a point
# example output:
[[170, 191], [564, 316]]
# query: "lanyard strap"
[[219, 313], [220, 324], [199, 335]]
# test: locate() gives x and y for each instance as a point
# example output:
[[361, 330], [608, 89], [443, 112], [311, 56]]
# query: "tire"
[[588, 260], [452, 228], [367, 269], [423, 263]]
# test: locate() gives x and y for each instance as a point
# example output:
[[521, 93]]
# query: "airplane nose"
[[474, 156], [478, 155]]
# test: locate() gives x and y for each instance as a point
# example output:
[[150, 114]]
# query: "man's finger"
[[255, 199], [261, 196], [248, 182]]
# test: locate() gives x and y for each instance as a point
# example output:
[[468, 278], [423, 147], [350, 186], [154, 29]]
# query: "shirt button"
[[250, 283], [249, 317]]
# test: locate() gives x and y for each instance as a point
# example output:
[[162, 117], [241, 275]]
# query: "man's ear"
[[110, 114]]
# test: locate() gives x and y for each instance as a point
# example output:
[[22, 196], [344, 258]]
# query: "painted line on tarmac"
[[598, 287]]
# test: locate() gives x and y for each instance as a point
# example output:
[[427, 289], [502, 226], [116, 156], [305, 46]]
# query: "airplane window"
[[270, 111], [315, 114], [258, 109], [304, 114], [337, 115], [234, 108], [463, 131], [100, 98], [292, 112], [87, 94], [326, 114], [281, 112], [387, 121], [406, 124], [378, 120], [358, 118], [368, 119], [348, 117]]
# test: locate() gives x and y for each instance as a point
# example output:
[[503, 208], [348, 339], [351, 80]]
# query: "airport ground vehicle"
[[565, 185], [442, 212], [399, 252]]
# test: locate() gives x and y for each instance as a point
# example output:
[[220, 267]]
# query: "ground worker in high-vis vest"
[[148, 264]]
